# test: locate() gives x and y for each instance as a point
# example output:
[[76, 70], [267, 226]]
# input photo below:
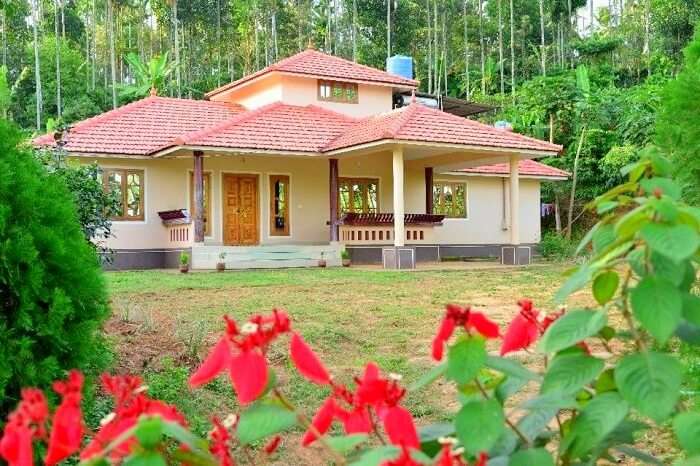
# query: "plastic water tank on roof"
[[400, 65]]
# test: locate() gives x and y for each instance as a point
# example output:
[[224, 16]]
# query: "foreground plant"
[[600, 386]]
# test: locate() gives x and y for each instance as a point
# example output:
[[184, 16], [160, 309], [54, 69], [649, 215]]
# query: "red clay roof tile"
[[318, 64], [525, 167]]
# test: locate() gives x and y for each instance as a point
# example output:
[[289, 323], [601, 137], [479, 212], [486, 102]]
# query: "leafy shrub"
[[586, 408], [556, 247], [51, 289]]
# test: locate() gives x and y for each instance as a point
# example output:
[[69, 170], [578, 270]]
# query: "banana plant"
[[149, 77]]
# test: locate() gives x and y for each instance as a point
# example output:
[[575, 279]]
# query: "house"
[[304, 158]]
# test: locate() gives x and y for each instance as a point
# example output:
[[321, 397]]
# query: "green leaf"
[[596, 420], [432, 432], [650, 382], [429, 377], [465, 359], [657, 305], [571, 328], [510, 367], [575, 282], [568, 373], [667, 186], [630, 223], [691, 308], [149, 432], [377, 456], [346, 443], [146, 458], [532, 457], [642, 456], [605, 285], [508, 387], [666, 268], [677, 242], [689, 333], [606, 381], [479, 424], [687, 429], [554, 400], [536, 422], [263, 419], [603, 238]]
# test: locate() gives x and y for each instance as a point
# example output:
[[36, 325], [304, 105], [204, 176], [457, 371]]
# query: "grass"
[[164, 322]]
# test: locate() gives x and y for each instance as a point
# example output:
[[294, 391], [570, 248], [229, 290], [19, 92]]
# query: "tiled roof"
[[318, 64], [416, 122], [525, 167], [276, 126], [145, 126]]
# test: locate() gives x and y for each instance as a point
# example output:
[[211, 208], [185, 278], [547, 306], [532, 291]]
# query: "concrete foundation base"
[[403, 257], [516, 255]]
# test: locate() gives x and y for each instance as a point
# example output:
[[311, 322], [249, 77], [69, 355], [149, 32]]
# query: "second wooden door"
[[240, 209]]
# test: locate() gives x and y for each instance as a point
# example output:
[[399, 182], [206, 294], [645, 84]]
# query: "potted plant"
[[322, 260], [221, 265], [345, 255], [184, 262]]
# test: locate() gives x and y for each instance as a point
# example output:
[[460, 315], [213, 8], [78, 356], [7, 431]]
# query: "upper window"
[[337, 91], [129, 184], [359, 195], [450, 199], [206, 178], [279, 205]]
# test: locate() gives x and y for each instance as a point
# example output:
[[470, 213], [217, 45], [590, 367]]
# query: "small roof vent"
[[503, 125]]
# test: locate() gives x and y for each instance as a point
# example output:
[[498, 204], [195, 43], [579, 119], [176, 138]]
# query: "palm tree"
[[58, 60], [150, 77], [112, 51], [37, 68]]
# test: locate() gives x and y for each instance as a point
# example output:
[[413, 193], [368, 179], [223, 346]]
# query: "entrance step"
[[265, 257]]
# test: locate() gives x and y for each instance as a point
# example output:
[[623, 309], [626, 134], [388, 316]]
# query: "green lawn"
[[164, 322]]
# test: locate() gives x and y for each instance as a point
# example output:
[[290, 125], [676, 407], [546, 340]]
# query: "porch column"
[[198, 196], [397, 164], [428, 190], [514, 201], [333, 193]]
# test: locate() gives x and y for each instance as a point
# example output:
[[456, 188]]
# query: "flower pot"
[[346, 262], [220, 266], [322, 262], [184, 268]]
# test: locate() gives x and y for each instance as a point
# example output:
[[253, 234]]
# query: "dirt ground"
[[349, 316]]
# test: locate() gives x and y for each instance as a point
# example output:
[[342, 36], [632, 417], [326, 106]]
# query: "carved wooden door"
[[240, 210]]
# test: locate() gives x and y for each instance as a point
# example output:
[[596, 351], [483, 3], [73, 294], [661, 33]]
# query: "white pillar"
[[514, 201], [397, 164]]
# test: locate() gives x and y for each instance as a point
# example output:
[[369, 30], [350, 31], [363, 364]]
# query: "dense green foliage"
[[51, 288]]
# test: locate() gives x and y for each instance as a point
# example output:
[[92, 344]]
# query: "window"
[[450, 199], [279, 205], [337, 91], [129, 184], [358, 195], [206, 178]]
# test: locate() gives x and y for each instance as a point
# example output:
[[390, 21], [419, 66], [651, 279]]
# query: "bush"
[[51, 288], [556, 247]]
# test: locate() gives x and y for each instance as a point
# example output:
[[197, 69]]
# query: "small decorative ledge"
[[175, 217], [362, 219]]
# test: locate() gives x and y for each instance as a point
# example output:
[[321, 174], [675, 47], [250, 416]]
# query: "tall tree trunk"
[[647, 35], [482, 47], [572, 197], [500, 47], [430, 48], [63, 19], [354, 30], [557, 213], [275, 48], [512, 51], [93, 24], [467, 84], [388, 28], [3, 24], [592, 13], [37, 67], [436, 49], [218, 43], [112, 51], [58, 59], [543, 55], [176, 38], [445, 67]]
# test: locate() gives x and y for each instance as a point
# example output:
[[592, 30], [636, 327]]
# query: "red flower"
[[242, 351], [272, 445], [306, 361], [321, 422], [131, 403], [67, 429], [448, 457], [355, 421], [464, 317], [523, 330], [400, 428], [403, 460], [482, 459], [24, 424], [219, 446]]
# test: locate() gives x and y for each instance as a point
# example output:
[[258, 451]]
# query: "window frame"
[[125, 172], [208, 227], [440, 201], [272, 179], [363, 181], [345, 85]]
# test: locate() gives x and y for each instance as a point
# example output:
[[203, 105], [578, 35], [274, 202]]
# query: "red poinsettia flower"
[[482, 459], [457, 316], [448, 457], [131, 403], [400, 427], [523, 330], [242, 351], [321, 422], [404, 459], [220, 444], [67, 428], [306, 361], [24, 424]]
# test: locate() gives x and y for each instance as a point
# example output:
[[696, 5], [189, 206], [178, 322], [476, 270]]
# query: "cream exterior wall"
[[167, 188], [299, 90]]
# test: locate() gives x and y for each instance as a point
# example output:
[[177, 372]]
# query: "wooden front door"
[[240, 210]]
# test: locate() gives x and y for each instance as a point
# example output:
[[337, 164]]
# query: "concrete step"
[[273, 256]]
